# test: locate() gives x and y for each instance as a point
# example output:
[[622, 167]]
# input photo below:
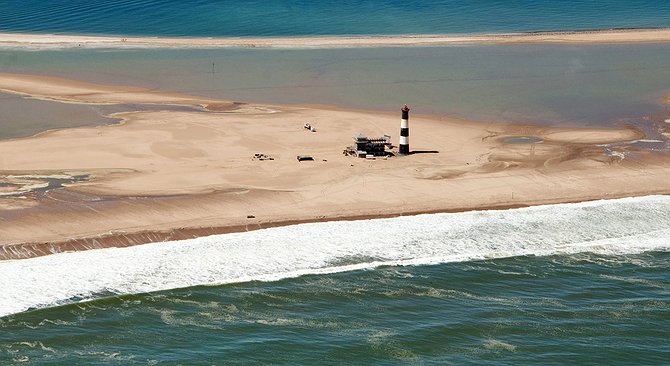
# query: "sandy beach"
[[166, 174], [49, 41]]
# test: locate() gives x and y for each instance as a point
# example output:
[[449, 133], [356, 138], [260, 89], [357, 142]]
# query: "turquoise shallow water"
[[571, 85], [573, 284], [290, 18], [25, 117]]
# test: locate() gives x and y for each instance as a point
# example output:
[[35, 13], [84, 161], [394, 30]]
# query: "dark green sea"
[[580, 309], [572, 284]]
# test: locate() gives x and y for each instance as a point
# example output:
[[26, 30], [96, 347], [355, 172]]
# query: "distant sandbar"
[[50, 41]]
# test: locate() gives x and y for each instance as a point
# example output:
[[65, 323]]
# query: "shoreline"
[[29, 250], [34, 41], [176, 174]]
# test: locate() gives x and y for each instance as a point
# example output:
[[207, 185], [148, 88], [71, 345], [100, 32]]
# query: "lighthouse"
[[403, 146]]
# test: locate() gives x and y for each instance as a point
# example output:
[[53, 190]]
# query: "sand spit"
[[174, 174], [70, 91], [44, 41]]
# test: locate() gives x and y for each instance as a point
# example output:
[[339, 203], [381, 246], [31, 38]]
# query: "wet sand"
[[174, 174], [42, 41]]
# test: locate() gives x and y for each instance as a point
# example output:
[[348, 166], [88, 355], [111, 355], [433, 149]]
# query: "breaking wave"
[[611, 227]]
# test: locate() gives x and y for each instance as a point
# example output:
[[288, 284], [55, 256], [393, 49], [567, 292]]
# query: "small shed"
[[305, 158]]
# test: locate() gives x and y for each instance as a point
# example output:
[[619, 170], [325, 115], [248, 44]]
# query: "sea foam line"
[[622, 226]]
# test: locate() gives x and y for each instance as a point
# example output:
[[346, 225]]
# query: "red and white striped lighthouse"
[[403, 146]]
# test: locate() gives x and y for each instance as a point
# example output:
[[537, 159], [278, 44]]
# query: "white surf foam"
[[621, 226]]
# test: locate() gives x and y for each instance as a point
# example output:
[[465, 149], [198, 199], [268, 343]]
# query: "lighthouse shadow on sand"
[[403, 146], [423, 152]]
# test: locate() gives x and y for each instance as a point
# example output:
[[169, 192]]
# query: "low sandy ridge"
[[42, 41]]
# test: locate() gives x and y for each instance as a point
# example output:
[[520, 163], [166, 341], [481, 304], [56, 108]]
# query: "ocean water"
[[578, 284], [291, 18]]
